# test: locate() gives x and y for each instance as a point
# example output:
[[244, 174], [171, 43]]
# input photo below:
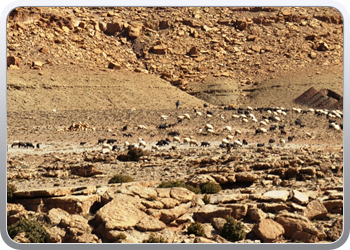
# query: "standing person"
[[177, 104]]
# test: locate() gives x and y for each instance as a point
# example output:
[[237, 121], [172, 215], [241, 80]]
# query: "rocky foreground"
[[280, 194]]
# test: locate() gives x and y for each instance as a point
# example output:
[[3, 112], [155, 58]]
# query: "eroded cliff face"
[[180, 45]]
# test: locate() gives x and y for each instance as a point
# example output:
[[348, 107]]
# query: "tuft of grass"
[[210, 188], [10, 190], [120, 236], [233, 230], [155, 239], [196, 228], [179, 183], [134, 154], [206, 199], [118, 178], [33, 230]]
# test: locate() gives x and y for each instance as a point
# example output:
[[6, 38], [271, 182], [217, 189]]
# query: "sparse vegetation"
[[134, 154], [233, 230], [33, 230], [155, 239], [118, 178], [120, 236], [179, 183], [210, 188], [196, 228], [206, 199], [10, 190]]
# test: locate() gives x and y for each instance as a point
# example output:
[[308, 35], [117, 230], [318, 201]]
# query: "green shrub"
[[210, 188], [119, 237], [178, 183], [196, 228], [206, 199], [10, 190], [155, 239], [233, 230], [195, 190], [135, 153], [33, 231], [118, 178], [170, 184]]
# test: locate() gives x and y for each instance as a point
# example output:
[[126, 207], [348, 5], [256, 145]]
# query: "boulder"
[[334, 206], [134, 30], [15, 212], [149, 223], [111, 28], [256, 214], [293, 223], [123, 212], [300, 198], [169, 215], [225, 198], [315, 210], [304, 237], [160, 49], [207, 212], [12, 60], [276, 195], [181, 194], [144, 192], [268, 230], [239, 211]]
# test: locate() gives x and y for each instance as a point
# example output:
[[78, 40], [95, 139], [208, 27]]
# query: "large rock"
[[256, 214], [181, 194], [225, 198], [169, 215], [300, 198], [239, 211], [293, 223], [268, 230], [276, 195], [134, 30], [334, 206], [149, 223], [11, 60], [315, 210], [122, 213], [144, 192], [207, 212], [15, 212]]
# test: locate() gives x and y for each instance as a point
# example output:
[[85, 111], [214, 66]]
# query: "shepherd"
[[177, 104]]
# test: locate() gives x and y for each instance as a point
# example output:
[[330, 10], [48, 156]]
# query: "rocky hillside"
[[242, 46]]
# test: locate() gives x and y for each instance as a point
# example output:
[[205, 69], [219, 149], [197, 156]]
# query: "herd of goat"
[[270, 120]]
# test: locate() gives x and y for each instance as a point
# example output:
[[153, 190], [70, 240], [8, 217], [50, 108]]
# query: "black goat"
[[162, 143], [290, 138], [205, 144], [163, 126], [127, 135], [174, 133], [29, 145], [244, 142], [100, 141], [271, 140], [111, 141], [260, 145], [273, 127]]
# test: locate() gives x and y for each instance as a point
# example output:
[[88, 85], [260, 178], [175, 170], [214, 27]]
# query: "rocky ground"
[[95, 68]]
